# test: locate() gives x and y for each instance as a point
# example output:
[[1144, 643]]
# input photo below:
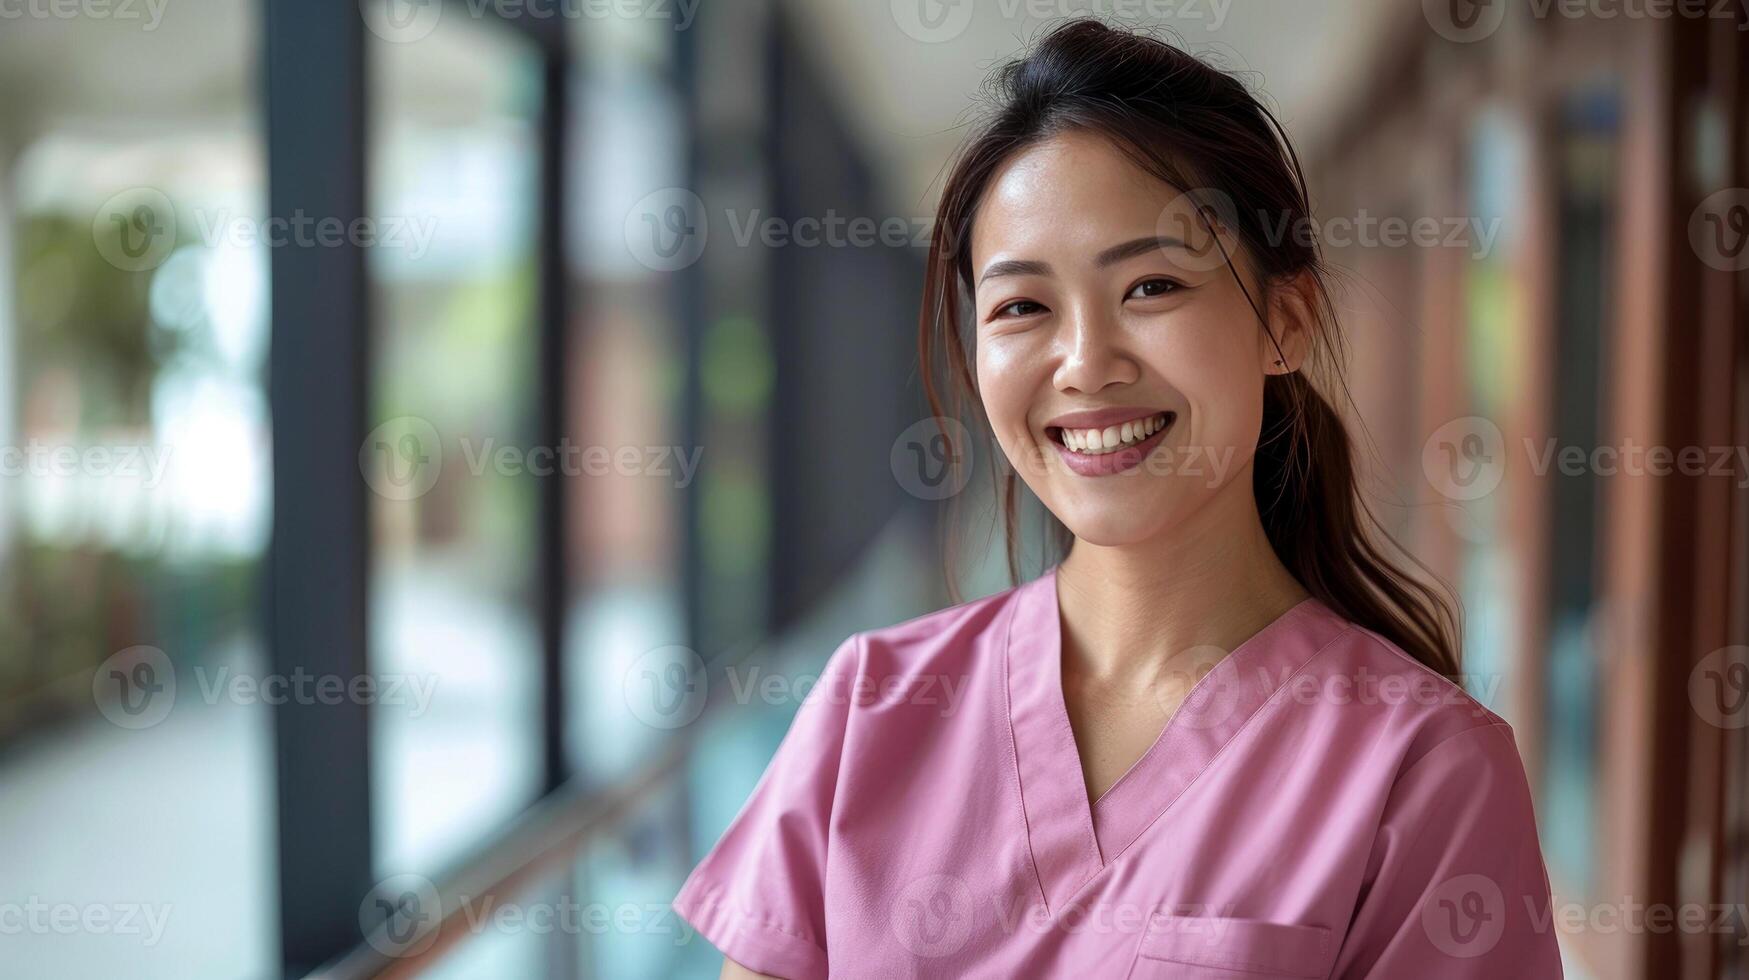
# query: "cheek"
[[1004, 383], [1216, 372]]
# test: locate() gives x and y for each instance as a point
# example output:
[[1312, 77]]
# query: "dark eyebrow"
[[1112, 255], [1140, 246], [1016, 267]]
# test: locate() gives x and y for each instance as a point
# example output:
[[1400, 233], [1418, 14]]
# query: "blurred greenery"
[[84, 328]]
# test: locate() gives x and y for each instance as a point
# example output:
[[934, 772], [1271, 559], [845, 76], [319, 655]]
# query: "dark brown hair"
[[1200, 130]]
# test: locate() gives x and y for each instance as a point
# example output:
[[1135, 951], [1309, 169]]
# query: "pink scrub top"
[[1321, 805]]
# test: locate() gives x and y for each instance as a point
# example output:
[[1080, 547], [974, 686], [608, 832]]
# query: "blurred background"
[[441, 441]]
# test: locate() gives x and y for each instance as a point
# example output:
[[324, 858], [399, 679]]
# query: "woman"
[[1217, 738]]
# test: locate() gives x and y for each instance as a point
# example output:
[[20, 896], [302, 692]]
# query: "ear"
[[1293, 319]]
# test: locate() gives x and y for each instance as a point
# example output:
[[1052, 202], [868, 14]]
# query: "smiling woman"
[[1218, 737]]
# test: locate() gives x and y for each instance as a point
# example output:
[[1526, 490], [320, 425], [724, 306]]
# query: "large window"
[[1588, 149], [135, 746], [454, 185]]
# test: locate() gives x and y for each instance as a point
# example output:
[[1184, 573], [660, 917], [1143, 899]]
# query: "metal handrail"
[[548, 836]]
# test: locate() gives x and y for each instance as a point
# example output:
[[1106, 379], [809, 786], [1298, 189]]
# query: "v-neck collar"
[[1073, 841]]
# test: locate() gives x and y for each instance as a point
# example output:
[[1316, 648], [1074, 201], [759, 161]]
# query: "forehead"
[[1073, 193]]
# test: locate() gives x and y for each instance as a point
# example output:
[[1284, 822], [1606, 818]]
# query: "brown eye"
[[1020, 307], [1148, 288]]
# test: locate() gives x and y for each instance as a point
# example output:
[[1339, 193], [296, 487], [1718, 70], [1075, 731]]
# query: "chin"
[[1111, 527]]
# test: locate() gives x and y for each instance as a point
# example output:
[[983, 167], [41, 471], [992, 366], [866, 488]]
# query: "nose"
[[1093, 353]]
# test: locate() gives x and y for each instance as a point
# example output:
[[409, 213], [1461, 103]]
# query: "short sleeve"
[[1456, 886], [759, 895]]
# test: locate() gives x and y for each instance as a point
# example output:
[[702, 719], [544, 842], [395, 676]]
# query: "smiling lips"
[[1106, 441]]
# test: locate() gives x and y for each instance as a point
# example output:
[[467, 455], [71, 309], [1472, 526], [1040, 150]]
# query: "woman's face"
[[1097, 304]]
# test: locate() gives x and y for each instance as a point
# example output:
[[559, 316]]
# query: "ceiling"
[[910, 98]]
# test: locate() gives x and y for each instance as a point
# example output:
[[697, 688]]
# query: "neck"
[[1128, 611]]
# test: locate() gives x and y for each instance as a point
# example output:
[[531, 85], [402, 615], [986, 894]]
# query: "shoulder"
[[1413, 708], [906, 672], [954, 636]]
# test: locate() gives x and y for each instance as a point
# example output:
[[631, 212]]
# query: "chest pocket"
[[1210, 948]]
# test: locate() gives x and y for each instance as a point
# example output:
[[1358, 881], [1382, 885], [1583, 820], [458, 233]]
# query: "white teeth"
[[1111, 438]]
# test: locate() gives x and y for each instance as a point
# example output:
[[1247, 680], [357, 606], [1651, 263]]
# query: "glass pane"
[[453, 186], [1490, 580], [1587, 219], [625, 392], [135, 748]]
